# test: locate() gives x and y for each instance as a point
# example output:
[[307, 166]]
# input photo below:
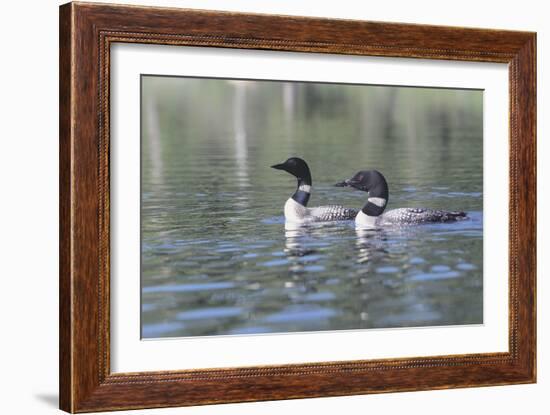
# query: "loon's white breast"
[[363, 220], [294, 211]]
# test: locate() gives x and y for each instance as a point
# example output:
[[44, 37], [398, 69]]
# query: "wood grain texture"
[[65, 246], [86, 33]]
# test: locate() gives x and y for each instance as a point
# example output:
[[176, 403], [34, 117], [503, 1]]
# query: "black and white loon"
[[372, 214], [296, 209]]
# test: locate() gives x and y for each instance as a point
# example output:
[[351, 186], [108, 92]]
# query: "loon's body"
[[296, 209], [408, 216], [372, 214], [296, 212]]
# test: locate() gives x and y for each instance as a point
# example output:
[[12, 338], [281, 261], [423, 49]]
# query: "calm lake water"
[[216, 259]]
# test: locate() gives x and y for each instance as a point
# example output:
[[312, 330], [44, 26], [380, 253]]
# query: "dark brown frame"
[[86, 33]]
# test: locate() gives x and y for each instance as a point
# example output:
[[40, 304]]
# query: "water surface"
[[216, 258]]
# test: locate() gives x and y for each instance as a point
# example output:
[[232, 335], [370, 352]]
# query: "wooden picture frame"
[[86, 33]]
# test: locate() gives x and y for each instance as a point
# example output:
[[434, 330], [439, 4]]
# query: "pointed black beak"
[[345, 183], [280, 166], [350, 183]]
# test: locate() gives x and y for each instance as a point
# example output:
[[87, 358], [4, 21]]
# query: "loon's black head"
[[371, 181], [297, 167]]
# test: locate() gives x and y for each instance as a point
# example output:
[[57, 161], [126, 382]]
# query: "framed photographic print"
[[260, 207]]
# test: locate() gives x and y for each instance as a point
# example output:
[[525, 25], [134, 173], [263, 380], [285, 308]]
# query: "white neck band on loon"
[[375, 206], [303, 192], [378, 196]]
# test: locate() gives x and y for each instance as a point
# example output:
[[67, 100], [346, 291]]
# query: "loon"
[[371, 215], [296, 210]]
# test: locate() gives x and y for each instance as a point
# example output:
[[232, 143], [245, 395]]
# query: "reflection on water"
[[217, 257]]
